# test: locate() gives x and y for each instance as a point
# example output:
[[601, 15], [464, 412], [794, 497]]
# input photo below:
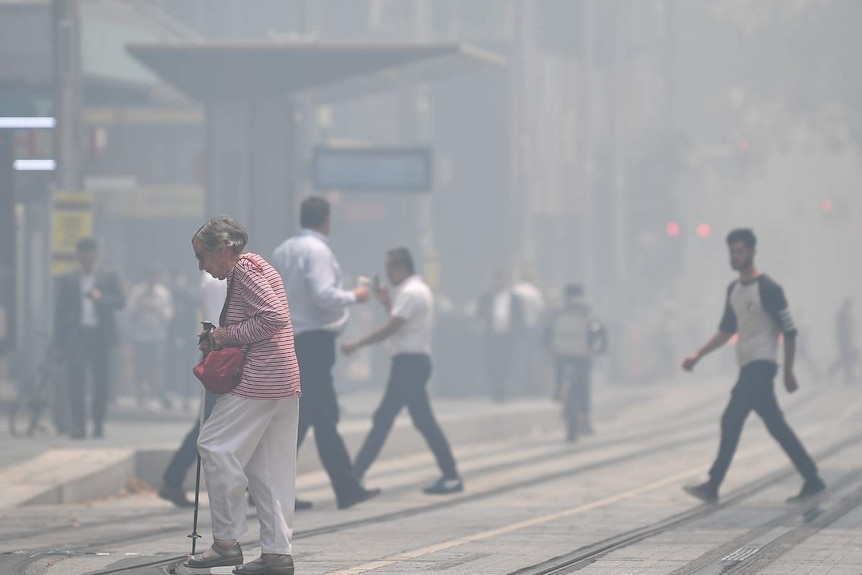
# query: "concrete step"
[[73, 475]]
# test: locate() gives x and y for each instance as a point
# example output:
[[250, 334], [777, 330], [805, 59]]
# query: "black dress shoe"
[[363, 495], [809, 490], [175, 495], [704, 492], [302, 505], [222, 558], [281, 565], [445, 486]]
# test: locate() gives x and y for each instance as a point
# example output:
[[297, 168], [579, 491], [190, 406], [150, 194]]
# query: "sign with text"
[[372, 169], [73, 220]]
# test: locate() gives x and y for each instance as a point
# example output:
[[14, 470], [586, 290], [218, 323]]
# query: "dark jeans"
[[408, 380], [755, 391], [90, 349], [573, 382], [318, 408], [186, 455]]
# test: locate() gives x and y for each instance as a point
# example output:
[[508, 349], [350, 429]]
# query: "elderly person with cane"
[[249, 440]]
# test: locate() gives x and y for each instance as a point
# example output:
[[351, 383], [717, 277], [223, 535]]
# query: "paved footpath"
[[610, 504]]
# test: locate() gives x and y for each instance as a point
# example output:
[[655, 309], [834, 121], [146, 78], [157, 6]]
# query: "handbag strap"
[[223, 315]]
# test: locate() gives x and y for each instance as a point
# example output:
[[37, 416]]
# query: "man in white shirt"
[[318, 310], [150, 311], [409, 329]]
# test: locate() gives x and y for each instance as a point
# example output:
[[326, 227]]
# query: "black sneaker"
[[809, 490], [445, 486], [302, 504], [363, 495], [704, 492]]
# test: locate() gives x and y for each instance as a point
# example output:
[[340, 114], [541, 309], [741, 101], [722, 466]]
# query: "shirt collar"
[[314, 234]]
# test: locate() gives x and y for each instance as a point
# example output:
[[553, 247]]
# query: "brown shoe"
[[279, 565]]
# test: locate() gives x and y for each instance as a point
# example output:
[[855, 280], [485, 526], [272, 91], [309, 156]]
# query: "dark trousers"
[[186, 455], [755, 391], [499, 351], [89, 350], [573, 382], [408, 381], [318, 408]]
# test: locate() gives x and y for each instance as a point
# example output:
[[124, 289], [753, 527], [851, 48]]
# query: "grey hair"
[[222, 231]]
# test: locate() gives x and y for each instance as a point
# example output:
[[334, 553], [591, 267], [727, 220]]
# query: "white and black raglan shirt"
[[758, 312]]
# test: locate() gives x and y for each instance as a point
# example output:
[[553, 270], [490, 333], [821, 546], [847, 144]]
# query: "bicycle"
[[37, 393]]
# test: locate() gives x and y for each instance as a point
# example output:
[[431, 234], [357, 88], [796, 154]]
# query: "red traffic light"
[[827, 205], [704, 230], [672, 229]]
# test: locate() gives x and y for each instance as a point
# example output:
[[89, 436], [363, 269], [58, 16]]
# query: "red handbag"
[[221, 370]]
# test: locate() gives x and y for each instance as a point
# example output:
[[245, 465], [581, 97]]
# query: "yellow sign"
[[73, 220]]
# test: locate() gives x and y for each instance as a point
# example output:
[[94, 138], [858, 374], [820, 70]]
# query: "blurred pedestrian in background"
[[181, 351], [85, 330], [574, 338], [845, 340], [501, 313], [150, 312], [212, 295]]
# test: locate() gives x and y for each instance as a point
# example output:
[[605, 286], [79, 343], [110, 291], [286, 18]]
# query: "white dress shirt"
[[413, 302], [88, 306], [313, 283]]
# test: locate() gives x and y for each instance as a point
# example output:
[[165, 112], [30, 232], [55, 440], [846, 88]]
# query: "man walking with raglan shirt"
[[757, 310]]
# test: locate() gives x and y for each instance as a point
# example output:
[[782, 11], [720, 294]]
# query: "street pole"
[[422, 13], [586, 144], [67, 130], [620, 204]]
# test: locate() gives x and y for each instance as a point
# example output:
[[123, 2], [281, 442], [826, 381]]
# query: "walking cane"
[[208, 327]]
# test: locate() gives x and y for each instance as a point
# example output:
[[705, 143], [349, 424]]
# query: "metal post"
[[586, 144], [67, 133], [422, 108], [620, 207], [8, 322]]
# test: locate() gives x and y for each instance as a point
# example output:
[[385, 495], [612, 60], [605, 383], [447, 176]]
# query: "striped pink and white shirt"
[[258, 319]]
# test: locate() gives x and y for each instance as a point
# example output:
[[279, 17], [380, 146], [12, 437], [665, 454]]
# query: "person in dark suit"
[[501, 312], [85, 331]]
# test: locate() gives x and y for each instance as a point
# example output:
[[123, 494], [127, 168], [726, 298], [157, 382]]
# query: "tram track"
[[580, 558], [29, 559]]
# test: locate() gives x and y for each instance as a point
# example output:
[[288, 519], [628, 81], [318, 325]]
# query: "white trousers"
[[251, 443]]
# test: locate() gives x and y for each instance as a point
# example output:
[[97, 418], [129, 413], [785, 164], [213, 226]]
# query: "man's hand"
[[790, 383], [348, 347], [362, 294], [689, 362], [95, 294], [382, 293]]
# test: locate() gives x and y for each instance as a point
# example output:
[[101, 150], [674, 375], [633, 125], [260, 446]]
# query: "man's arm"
[[726, 329], [774, 302], [790, 382], [380, 334], [323, 284], [718, 340]]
